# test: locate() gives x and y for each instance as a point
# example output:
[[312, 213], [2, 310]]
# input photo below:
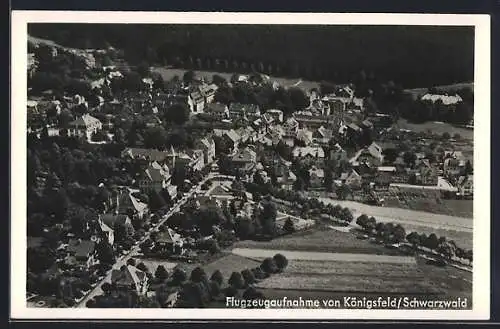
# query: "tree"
[[390, 155], [131, 262], [289, 226], [198, 275], [155, 138], [346, 215], [432, 241], [177, 113], [143, 69], [248, 276], [105, 252], [218, 80], [409, 158], [468, 170], [446, 135], [362, 220], [236, 280], [106, 287], [156, 201], [161, 273], [414, 239], [269, 266], [217, 277], [281, 262], [189, 77], [179, 276], [398, 233], [268, 218], [214, 247], [141, 266]]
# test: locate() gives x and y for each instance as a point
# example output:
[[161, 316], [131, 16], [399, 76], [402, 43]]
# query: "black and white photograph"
[[335, 165]]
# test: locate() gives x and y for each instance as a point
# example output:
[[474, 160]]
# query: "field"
[[169, 73], [295, 255], [435, 127], [320, 241], [229, 264], [462, 208], [420, 91], [406, 216]]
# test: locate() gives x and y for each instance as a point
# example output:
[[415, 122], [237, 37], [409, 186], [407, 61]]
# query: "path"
[[323, 256]]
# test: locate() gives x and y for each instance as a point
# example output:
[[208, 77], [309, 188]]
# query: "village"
[[150, 191]]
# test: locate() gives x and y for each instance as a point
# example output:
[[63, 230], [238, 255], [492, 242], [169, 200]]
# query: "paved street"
[[123, 259]]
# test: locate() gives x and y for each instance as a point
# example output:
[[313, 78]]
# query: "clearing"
[[323, 256], [435, 127], [169, 73], [320, 240]]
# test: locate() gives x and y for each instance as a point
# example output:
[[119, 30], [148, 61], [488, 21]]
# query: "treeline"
[[413, 56]]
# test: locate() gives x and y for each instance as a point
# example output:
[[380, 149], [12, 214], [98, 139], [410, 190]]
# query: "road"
[[123, 259], [323, 256]]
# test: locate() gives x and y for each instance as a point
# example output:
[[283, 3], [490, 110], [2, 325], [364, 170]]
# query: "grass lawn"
[[229, 264], [462, 208], [320, 240], [435, 127], [169, 73]]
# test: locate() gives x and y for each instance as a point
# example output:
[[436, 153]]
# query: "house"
[[207, 145], [308, 151], [351, 179], [232, 138], [144, 154], [244, 159], [338, 154], [266, 119], [217, 110], [311, 121], [353, 129], [305, 136], [367, 124], [319, 107], [322, 135], [237, 111], [252, 111], [452, 166], [445, 99], [387, 170], [128, 278], [466, 186], [291, 127], [426, 174], [277, 115], [84, 126], [316, 177], [113, 221], [208, 92], [285, 177], [196, 102], [154, 178], [81, 253], [371, 154], [106, 233], [170, 242], [127, 204], [337, 106], [383, 181], [194, 159]]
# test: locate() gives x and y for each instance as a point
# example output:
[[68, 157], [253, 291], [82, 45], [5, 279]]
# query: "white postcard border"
[[481, 228]]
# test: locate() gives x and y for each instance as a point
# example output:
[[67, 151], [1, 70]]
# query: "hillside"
[[412, 56]]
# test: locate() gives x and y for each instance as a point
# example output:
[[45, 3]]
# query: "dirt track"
[[323, 256]]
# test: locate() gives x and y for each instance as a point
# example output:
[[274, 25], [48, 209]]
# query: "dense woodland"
[[410, 55]]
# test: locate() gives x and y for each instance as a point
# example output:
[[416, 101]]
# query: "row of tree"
[[390, 233]]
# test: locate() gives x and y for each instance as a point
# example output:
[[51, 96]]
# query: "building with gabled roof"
[[129, 277], [84, 126]]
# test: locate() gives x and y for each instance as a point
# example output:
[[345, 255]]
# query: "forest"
[[412, 56]]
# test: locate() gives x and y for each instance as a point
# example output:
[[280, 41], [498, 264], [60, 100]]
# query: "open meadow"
[[320, 240], [435, 127], [169, 73]]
